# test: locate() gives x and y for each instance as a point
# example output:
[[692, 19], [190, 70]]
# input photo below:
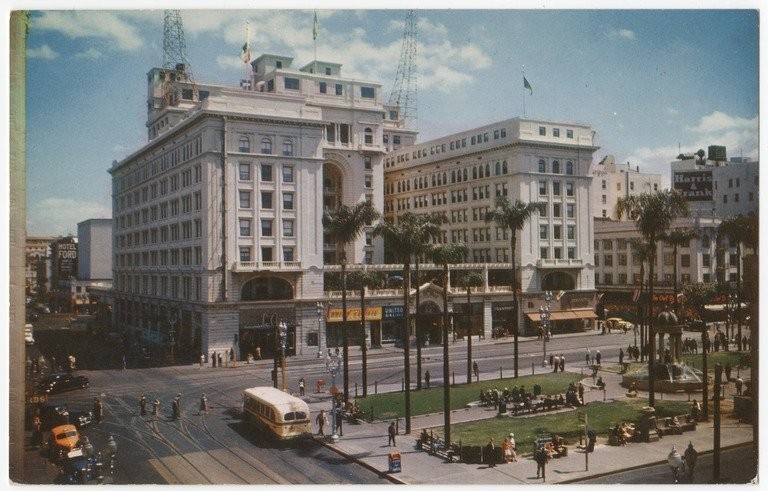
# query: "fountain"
[[670, 373]]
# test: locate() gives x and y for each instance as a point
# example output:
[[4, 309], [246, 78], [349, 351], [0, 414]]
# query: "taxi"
[[62, 440]]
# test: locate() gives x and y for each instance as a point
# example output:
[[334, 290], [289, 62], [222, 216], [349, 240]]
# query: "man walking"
[[490, 452], [321, 420], [562, 362], [98, 410], [301, 386], [689, 456], [598, 356], [426, 378], [143, 405], [392, 431]]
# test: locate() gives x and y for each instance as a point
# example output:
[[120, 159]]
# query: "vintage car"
[[57, 413], [79, 468], [62, 440], [62, 381], [618, 324]]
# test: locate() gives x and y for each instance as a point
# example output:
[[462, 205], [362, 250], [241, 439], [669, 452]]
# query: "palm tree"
[[364, 279], [344, 224], [676, 238], [403, 240], [512, 216], [737, 230], [470, 280], [646, 254], [424, 228], [445, 254], [652, 213]]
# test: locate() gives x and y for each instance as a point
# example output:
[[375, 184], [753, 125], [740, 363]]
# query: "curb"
[[383, 474], [643, 466]]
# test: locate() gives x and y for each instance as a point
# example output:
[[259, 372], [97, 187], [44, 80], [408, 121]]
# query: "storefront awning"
[[562, 315], [718, 307]]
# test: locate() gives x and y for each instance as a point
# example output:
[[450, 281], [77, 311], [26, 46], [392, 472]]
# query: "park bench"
[[434, 445], [665, 425]]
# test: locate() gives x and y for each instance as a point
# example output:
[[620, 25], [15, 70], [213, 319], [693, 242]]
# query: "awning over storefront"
[[718, 307], [561, 315]]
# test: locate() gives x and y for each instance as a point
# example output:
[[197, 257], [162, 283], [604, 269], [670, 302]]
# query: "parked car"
[[55, 414], [62, 440], [60, 382], [695, 325], [78, 468], [617, 323], [28, 337]]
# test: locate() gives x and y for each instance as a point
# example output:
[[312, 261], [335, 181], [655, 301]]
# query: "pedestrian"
[[339, 421], [227, 357], [689, 457], [258, 353], [739, 385], [551, 359], [598, 356], [203, 405], [176, 407], [37, 431], [220, 363], [513, 446], [321, 420], [476, 370], [426, 378], [155, 407], [541, 456], [744, 343], [588, 357], [392, 431], [143, 405], [490, 454], [301, 386], [125, 363], [727, 372], [213, 360], [98, 410], [202, 360], [621, 356], [554, 360], [581, 393], [562, 362]]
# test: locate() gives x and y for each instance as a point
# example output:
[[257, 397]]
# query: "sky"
[[651, 83]]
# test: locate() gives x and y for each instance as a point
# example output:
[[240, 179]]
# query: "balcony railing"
[[267, 266], [559, 263]]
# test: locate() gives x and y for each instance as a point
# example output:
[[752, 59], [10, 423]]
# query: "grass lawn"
[[600, 416], [733, 358], [391, 405]]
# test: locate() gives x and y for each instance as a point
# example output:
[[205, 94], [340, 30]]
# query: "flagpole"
[[314, 39], [523, 92]]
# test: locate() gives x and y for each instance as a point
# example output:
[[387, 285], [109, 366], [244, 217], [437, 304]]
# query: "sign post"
[[583, 421]]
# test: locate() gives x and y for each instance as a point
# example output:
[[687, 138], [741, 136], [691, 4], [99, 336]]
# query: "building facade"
[[37, 269], [217, 232], [612, 182]]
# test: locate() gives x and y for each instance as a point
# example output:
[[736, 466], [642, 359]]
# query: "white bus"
[[276, 412]]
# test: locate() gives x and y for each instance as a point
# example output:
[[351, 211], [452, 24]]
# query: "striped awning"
[[562, 315]]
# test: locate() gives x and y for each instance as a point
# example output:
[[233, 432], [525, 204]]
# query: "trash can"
[[502, 406], [394, 462]]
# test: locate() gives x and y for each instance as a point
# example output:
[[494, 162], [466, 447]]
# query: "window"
[[291, 83], [245, 227], [556, 132], [569, 168], [544, 252], [368, 165], [338, 89], [571, 229], [266, 172], [244, 145], [558, 253], [543, 209], [542, 166], [555, 187], [266, 254], [542, 131], [288, 201], [287, 228], [571, 253], [569, 189], [245, 172], [288, 147], [685, 260], [557, 210], [367, 92], [245, 199], [368, 137], [288, 254], [607, 245], [542, 188], [543, 232], [557, 232], [287, 173], [266, 146], [555, 167], [705, 260], [622, 259], [368, 182], [245, 254], [569, 133], [344, 133], [323, 87], [603, 184], [266, 199], [569, 210], [266, 228], [608, 260]]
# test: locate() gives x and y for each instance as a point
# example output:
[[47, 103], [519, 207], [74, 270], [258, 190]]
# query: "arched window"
[[266, 289], [498, 168], [558, 281], [244, 145], [288, 147], [474, 172], [368, 136], [504, 167], [480, 172], [569, 168], [555, 167], [464, 174], [542, 166], [487, 170], [266, 146]]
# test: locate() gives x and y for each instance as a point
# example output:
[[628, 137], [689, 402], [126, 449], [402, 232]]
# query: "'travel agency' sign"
[[694, 186]]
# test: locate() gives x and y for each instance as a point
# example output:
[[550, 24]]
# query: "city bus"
[[276, 413]]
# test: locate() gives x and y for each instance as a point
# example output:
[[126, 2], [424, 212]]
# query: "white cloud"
[[60, 216], [90, 54], [91, 24], [44, 52], [622, 33]]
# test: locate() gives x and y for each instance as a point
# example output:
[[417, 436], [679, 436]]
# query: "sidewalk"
[[366, 443]]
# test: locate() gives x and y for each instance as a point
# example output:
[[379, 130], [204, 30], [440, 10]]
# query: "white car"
[[28, 337]]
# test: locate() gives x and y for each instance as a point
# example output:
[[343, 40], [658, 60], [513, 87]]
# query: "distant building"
[[612, 182], [38, 255], [94, 244], [63, 273]]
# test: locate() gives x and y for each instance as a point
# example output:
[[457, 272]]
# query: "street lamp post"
[[332, 365], [172, 334], [544, 314], [283, 334], [320, 311], [732, 299]]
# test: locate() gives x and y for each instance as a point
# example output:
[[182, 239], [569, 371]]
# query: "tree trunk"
[[446, 364], [345, 338], [469, 338], [651, 338], [417, 320], [515, 316], [407, 344], [363, 343]]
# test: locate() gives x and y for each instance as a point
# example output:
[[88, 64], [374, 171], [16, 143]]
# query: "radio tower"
[[175, 60], [405, 89]]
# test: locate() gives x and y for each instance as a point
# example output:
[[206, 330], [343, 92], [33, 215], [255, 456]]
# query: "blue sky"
[[649, 82]]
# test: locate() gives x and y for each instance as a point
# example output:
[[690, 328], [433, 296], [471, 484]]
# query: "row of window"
[[182, 256], [736, 198], [685, 279], [604, 185], [557, 232], [441, 178], [293, 83], [160, 235], [557, 187], [244, 146], [555, 167], [170, 158], [179, 287], [170, 184], [555, 132], [266, 172], [267, 200], [668, 259], [441, 148], [267, 254], [267, 227], [189, 203]]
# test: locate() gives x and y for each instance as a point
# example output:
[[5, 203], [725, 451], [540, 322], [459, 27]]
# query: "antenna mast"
[[175, 60], [405, 89]]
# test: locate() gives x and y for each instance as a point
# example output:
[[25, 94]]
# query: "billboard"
[[693, 185], [65, 258]]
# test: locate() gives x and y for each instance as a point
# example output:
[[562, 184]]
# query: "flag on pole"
[[559, 295], [245, 54], [314, 28], [526, 85]]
